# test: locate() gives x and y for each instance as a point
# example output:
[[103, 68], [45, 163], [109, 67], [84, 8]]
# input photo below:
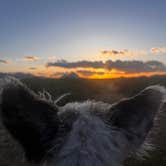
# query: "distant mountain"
[[18, 75], [71, 75]]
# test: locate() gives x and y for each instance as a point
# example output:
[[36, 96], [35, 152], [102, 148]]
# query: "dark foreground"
[[100, 90]]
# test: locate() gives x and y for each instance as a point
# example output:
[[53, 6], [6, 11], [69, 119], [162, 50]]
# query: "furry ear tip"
[[9, 82], [12, 80], [159, 89]]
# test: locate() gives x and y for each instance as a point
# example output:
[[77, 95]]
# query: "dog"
[[85, 133]]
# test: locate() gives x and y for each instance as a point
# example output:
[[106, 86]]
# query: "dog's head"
[[87, 133]]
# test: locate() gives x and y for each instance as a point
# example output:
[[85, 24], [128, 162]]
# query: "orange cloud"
[[4, 61], [30, 58], [90, 72], [158, 50], [32, 68]]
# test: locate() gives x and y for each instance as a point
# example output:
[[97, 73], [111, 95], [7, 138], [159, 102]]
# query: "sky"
[[45, 37]]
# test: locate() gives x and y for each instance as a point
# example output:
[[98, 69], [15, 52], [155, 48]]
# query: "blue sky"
[[78, 29]]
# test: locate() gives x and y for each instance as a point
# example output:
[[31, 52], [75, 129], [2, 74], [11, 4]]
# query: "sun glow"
[[109, 76], [89, 73]]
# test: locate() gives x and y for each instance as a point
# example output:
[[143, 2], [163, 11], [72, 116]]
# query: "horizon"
[[73, 76], [93, 39]]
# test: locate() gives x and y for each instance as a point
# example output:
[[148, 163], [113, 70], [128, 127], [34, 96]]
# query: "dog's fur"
[[77, 134]]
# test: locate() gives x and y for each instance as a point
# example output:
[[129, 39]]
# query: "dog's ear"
[[136, 115], [32, 121]]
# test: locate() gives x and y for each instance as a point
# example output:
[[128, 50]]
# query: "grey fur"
[[95, 138], [92, 143]]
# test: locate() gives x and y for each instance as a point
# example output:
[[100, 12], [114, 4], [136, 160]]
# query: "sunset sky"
[[92, 38]]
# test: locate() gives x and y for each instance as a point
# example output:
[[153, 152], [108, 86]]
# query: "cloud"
[[158, 50], [135, 66], [125, 52], [58, 74], [126, 66], [114, 52], [65, 75], [90, 73], [83, 64], [19, 75], [30, 58], [85, 73], [32, 68], [4, 61], [52, 58]]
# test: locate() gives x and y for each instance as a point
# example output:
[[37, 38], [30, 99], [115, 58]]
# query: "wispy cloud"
[[126, 66], [4, 61], [30, 58], [125, 52], [158, 50]]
